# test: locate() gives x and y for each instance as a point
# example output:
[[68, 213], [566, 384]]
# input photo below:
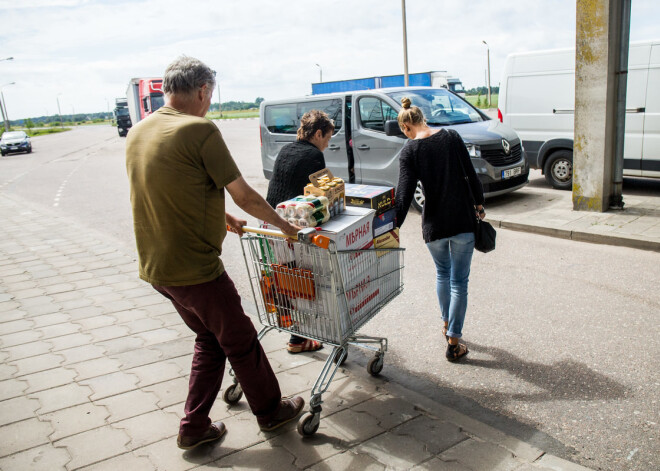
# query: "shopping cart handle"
[[306, 236]]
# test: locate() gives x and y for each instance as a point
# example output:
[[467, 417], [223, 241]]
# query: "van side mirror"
[[392, 128]]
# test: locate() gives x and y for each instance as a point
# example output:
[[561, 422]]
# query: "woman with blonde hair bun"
[[439, 160]]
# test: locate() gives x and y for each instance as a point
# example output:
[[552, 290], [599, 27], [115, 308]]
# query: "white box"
[[352, 229]]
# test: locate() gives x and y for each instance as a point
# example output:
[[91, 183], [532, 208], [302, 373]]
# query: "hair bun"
[[405, 101]]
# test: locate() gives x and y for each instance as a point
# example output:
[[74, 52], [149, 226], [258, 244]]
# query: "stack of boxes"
[[363, 217], [381, 199]]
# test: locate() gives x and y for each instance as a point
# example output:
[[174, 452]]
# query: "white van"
[[537, 99], [367, 140]]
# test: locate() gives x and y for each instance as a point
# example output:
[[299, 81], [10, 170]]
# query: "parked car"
[[15, 141], [367, 140]]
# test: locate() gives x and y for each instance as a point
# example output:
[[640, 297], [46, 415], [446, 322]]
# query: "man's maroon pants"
[[213, 311]]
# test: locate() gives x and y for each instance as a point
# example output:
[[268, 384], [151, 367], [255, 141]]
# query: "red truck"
[[144, 96]]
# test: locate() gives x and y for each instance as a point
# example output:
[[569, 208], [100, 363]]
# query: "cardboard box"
[[384, 222], [350, 229], [324, 183], [389, 240], [335, 314], [379, 198]]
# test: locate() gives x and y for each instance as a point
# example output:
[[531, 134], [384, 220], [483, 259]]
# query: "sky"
[[83, 53]]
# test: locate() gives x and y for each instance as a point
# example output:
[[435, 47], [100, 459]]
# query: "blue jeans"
[[452, 257]]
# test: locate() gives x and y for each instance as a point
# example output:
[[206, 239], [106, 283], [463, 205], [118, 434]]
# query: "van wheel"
[[558, 170], [418, 198]]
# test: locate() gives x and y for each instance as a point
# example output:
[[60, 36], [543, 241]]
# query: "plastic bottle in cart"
[[315, 219], [280, 209], [290, 206], [310, 206]]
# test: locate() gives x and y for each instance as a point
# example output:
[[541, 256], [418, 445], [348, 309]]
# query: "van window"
[[440, 107], [285, 119], [374, 112]]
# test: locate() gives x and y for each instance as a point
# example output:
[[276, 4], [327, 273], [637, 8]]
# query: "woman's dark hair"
[[311, 122]]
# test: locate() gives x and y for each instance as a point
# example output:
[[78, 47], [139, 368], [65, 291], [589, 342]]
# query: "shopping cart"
[[309, 288]]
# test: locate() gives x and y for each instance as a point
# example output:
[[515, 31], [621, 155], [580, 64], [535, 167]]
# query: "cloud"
[[87, 50]]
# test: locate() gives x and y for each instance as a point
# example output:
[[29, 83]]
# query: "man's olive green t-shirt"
[[178, 166]]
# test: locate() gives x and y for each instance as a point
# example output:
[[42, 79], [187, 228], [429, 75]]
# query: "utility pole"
[[405, 44], [320, 73], [217, 84], [58, 109], [3, 104], [3, 107], [488, 55], [4, 118]]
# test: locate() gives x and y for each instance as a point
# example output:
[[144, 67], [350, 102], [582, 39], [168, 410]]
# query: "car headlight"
[[473, 150]]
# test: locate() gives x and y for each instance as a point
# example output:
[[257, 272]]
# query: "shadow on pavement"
[[564, 379]]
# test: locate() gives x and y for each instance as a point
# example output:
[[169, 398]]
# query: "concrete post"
[[598, 47]]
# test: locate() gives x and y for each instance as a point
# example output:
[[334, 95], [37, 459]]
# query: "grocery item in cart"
[[324, 183], [384, 222], [305, 211], [380, 198]]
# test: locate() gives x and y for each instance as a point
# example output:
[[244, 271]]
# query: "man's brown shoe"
[[288, 410], [216, 430]]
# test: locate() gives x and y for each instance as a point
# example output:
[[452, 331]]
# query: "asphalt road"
[[564, 336]]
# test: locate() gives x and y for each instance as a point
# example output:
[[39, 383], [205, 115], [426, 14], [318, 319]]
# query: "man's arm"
[[253, 203]]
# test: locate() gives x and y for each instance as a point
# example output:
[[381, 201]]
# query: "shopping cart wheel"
[[338, 357], [233, 394], [309, 424], [375, 365]]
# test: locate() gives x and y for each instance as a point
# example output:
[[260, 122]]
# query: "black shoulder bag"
[[484, 233]]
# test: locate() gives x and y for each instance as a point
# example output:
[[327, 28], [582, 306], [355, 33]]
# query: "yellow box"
[[389, 240]]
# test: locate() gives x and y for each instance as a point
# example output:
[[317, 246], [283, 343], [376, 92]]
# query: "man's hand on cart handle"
[[235, 225], [290, 229]]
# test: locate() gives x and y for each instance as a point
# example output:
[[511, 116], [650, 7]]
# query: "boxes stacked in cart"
[[328, 294]]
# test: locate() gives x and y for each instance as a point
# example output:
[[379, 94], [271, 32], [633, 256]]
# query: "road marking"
[[60, 190], [9, 182]]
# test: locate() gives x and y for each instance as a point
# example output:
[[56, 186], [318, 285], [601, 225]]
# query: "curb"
[[482, 431], [633, 242]]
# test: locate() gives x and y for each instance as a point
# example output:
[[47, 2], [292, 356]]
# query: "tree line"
[[237, 105], [482, 91]]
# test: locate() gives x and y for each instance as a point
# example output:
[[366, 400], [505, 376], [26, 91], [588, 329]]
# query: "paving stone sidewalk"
[[94, 367]]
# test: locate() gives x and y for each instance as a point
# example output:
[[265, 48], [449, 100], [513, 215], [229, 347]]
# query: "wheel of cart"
[[309, 288]]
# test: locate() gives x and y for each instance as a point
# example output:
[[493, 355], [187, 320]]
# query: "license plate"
[[511, 172], [14, 148]]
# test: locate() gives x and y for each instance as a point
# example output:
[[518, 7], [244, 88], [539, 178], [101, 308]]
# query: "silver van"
[[367, 140]]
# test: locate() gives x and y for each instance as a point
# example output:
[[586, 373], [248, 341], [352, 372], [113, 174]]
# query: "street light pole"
[[320, 73], [405, 44], [217, 84], [488, 55], [4, 118], [58, 109], [3, 106]]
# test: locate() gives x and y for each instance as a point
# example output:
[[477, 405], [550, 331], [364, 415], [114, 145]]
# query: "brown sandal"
[[307, 346], [456, 352]]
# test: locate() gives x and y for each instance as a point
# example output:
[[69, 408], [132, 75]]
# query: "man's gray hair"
[[187, 74]]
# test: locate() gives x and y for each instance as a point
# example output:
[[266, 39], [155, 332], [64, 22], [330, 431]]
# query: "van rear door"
[[638, 64], [651, 145]]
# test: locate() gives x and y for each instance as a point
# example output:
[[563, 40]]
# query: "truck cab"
[[122, 116], [144, 96]]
